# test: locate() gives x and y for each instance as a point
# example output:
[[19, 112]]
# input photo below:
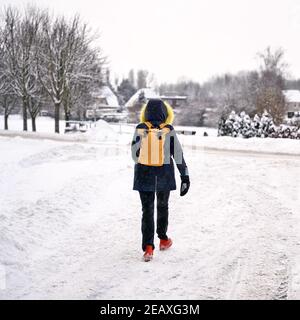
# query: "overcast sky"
[[195, 39]]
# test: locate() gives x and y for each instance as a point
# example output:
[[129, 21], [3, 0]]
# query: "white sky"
[[195, 39]]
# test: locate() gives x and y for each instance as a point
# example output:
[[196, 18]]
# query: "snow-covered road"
[[70, 226]]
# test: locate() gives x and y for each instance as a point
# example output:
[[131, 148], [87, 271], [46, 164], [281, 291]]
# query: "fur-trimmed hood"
[[157, 111]]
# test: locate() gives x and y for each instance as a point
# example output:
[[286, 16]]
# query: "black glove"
[[185, 185]]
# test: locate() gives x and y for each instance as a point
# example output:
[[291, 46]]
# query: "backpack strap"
[[148, 124], [162, 125]]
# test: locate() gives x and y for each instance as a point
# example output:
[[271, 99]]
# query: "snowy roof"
[[292, 95], [149, 93], [106, 92], [173, 97]]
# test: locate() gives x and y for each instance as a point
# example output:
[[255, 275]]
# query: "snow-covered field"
[[70, 222], [44, 124]]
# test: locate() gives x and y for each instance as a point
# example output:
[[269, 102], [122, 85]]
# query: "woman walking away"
[[154, 146]]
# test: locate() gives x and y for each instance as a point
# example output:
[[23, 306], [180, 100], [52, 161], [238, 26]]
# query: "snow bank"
[[74, 137], [253, 145], [215, 143], [121, 134], [102, 132]]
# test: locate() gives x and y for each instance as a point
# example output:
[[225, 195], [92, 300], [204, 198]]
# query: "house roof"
[[173, 97], [292, 95], [149, 93], [106, 92]]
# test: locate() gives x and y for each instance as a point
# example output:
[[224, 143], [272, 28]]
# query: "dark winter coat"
[[162, 178]]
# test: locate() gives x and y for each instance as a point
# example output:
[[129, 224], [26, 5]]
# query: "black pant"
[[147, 199]]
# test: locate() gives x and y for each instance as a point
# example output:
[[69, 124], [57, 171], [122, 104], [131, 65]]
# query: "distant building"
[[104, 98], [134, 104], [174, 99], [106, 106], [292, 102], [141, 96]]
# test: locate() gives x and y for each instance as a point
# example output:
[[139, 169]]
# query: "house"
[[105, 97], [106, 106], [174, 100], [143, 95], [292, 102]]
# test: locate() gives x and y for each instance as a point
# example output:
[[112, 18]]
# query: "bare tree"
[[8, 103], [64, 61], [272, 100], [42, 57], [131, 77], [86, 74], [21, 44], [7, 98], [34, 106], [142, 79], [270, 95], [273, 61], [54, 59], [80, 90]]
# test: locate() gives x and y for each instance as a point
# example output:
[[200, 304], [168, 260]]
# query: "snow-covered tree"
[[7, 97], [243, 126], [86, 76], [58, 43], [65, 61], [21, 43], [79, 93], [8, 102]]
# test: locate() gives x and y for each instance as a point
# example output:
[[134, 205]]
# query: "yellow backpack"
[[152, 145]]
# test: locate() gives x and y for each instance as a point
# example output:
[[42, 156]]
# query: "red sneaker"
[[165, 244], [148, 255]]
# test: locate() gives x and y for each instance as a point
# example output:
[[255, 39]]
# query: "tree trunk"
[[33, 122], [78, 115], [56, 116], [67, 118], [6, 122], [24, 114]]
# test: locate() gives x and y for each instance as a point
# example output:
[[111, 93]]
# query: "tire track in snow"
[[254, 267], [233, 248], [41, 224], [274, 245]]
